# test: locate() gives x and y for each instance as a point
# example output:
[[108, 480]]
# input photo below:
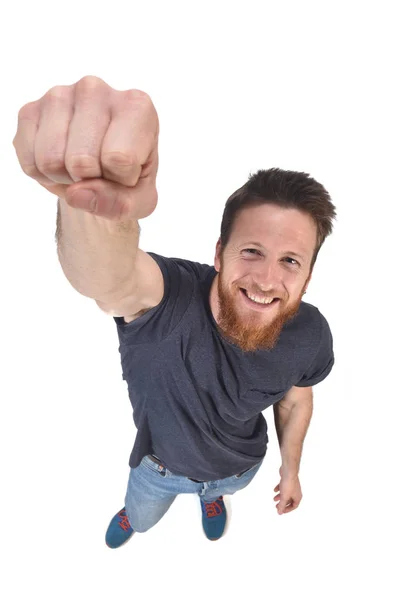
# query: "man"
[[204, 350]]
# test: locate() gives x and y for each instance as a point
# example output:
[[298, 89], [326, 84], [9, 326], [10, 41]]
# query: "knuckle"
[[51, 164], [141, 103], [135, 94], [28, 111], [82, 165], [89, 82], [119, 160], [30, 170], [57, 92], [137, 98]]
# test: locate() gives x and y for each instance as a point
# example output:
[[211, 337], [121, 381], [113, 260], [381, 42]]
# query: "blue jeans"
[[152, 488]]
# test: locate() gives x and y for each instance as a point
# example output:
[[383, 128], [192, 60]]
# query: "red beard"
[[247, 333]]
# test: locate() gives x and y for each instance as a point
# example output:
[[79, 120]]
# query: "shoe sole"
[[123, 543]]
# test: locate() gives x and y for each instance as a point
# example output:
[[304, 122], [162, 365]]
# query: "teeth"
[[259, 300]]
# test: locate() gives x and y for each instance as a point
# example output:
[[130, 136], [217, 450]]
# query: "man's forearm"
[[291, 427], [97, 255]]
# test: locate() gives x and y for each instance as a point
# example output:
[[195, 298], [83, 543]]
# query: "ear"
[[217, 258]]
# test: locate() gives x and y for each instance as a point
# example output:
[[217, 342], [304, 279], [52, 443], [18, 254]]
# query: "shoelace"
[[213, 509], [124, 523]]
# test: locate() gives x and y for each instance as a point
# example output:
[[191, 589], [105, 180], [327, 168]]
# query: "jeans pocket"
[[250, 470]]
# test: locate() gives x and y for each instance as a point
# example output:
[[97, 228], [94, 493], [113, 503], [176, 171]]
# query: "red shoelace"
[[124, 523], [213, 509]]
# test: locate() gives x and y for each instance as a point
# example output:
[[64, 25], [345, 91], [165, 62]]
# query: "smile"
[[258, 302]]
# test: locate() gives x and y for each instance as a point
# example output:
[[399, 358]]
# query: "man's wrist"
[[289, 470]]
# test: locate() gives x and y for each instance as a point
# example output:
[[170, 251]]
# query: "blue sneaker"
[[119, 530], [214, 518]]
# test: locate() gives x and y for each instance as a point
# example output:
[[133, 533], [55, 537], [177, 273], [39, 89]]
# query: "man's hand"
[[90, 137], [290, 494]]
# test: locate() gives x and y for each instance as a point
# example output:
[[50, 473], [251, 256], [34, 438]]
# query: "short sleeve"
[[158, 322], [323, 360]]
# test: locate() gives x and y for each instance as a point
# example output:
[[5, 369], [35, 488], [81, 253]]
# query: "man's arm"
[[89, 137], [292, 417]]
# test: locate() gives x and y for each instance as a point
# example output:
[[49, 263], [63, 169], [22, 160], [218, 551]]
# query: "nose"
[[267, 276]]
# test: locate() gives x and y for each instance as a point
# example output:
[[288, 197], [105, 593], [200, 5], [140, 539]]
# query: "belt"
[[158, 462]]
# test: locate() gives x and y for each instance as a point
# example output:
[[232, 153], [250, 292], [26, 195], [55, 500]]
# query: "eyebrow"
[[286, 252]]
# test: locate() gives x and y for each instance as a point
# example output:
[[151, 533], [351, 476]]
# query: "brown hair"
[[288, 189]]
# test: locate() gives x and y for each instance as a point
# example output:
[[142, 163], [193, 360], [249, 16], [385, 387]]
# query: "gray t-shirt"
[[197, 398]]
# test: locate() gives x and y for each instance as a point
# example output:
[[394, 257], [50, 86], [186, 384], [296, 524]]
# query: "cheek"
[[228, 277], [295, 290]]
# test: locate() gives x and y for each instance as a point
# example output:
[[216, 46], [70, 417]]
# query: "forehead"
[[271, 224]]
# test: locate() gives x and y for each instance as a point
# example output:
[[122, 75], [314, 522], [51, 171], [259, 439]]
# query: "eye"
[[294, 261], [251, 250]]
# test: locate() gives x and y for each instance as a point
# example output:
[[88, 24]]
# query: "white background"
[[240, 86]]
